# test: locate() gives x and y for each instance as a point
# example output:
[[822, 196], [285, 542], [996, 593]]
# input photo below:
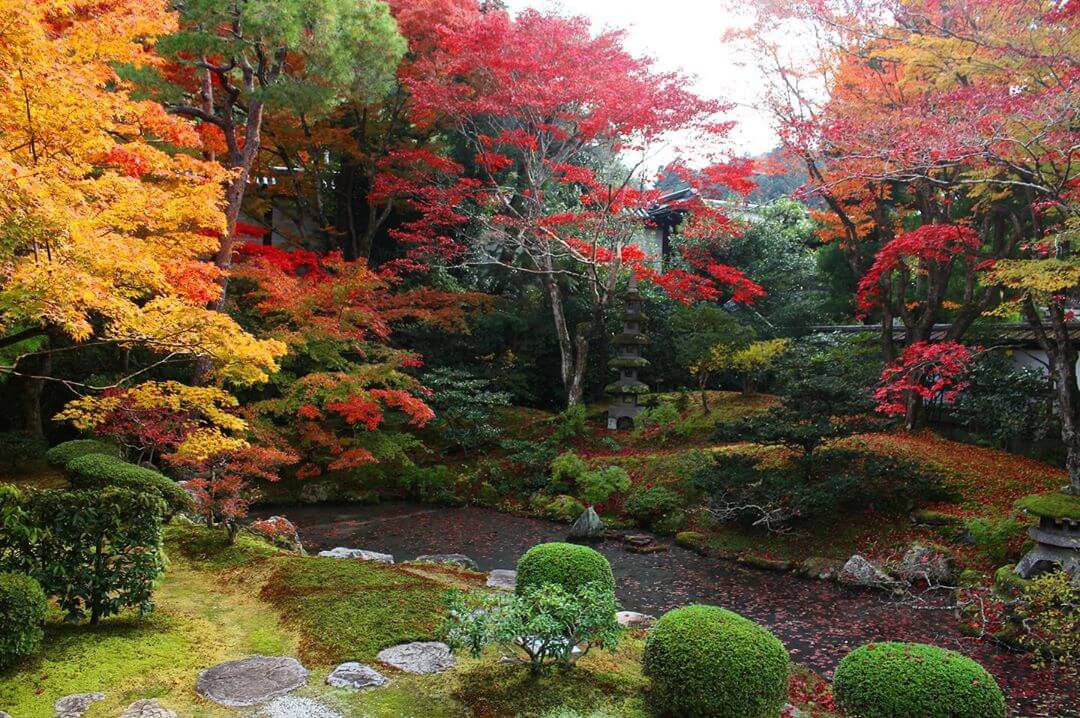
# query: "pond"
[[818, 621]]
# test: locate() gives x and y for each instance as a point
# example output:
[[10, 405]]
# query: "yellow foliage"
[[1037, 277], [215, 406], [201, 444], [754, 357]]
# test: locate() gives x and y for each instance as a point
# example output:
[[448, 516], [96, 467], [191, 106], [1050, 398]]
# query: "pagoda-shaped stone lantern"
[[627, 362], [1057, 537]]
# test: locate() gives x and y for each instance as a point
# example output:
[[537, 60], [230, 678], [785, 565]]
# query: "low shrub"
[[647, 505], [563, 508], [914, 680], [95, 471], [563, 564], [22, 613], [707, 662], [97, 552], [62, 453], [1048, 611], [434, 484], [994, 536], [546, 622]]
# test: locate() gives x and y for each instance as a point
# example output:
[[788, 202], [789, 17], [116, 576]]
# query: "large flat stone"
[[251, 681], [355, 675], [421, 657], [451, 559], [357, 553], [147, 709], [74, 706], [296, 707], [633, 619], [502, 578]]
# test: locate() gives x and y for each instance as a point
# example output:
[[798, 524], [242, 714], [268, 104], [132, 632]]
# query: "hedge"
[[95, 471], [914, 680], [22, 612], [565, 564], [61, 454], [708, 662]]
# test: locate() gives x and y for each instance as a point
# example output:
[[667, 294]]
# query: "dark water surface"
[[818, 621]]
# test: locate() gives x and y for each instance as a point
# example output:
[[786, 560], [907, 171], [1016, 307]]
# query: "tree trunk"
[[1067, 395], [32, 388], [575, 390], [562, 332]]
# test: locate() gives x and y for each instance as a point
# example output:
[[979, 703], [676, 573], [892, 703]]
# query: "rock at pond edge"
[[503, 579], [449, 559], [357, 553]]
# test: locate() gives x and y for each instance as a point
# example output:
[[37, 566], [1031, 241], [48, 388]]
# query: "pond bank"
[[818, 621]]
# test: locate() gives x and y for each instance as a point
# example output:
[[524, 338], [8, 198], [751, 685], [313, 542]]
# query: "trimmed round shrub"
[[61, 454], [95, 471], [708, 662], [914, 680], [22, 612], [565, 564]]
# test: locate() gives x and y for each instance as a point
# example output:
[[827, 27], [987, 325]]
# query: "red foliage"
[[926, 370], [221, 484]]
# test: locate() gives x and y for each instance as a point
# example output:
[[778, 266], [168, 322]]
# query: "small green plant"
[[565, 564], [62, 453], [914, 680], [95, 471], [661, 421], [707, 662], [994, 535], [570, 424], [565, 470], [599, 485], [435, 484], [550, 624], [1049, 611], [22, 612], [647, 505], [563, 508]]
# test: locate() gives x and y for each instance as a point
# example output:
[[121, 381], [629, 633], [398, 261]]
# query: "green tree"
[[699, 328]]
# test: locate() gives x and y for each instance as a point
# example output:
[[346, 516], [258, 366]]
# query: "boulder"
[[818, 567], [859, 571], [355, 675], [147, 709], [421, 657], [251, 681], [922, 563], [503, 579], [451, 559], [4, 714], [280, 532], [74, 706], [587, 527], [296, 707], [357, 553], [633, 619]]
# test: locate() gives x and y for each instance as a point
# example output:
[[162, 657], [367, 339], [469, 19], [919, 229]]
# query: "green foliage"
[[1049, 611], [599, 485], [465, 408], [662, 422], [431, 483], [700, 327], [530, 460], [565, 471], [741, 488], [707, 662], [17, 531], [993, 535], [17, 447], [61, 454], [1052, 505], [22, 613], [649, 504], [914, 680], [99, 551], [570, 424], [95, 471], [1006, 403], [563, 508], [349, 49], [545, 621], [564, 564]]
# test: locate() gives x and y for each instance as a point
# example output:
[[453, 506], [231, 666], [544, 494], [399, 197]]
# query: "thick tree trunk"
[[1067, 396], [575, 390], [32, 387]]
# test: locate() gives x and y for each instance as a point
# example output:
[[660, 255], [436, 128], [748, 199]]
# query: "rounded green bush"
[[708, 662], [568, 565], [95, 471], [22, 613], [914, 680], [62, 453], [563, 508]]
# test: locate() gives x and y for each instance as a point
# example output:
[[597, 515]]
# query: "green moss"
[[914, 680], [1008, 583], [692, 540], [208, 549], [1053, 505], [350, 610], [563, 508]]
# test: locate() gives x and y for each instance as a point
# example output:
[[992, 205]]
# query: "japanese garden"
[[485, 358]]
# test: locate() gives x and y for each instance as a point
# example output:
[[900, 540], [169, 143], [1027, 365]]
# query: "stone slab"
[[251, 681], [355, 675], [420, 657]]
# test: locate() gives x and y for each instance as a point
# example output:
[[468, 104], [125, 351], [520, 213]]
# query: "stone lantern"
[[627, 362], [1057, 537]]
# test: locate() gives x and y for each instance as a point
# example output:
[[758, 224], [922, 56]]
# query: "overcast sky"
[[683, 35]]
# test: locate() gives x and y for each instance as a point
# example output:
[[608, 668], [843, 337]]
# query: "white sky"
[[684, 35]]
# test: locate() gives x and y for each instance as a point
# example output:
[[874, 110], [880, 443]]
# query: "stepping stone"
[[503, 579], [355, 675], [147, 709], [633, 619], [251, 681], [75, 705], [357, 553], [421, 657], [4, 715], [452, 559], [296, 707]]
